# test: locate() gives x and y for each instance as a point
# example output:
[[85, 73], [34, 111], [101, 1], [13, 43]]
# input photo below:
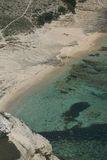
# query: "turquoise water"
[[70, 109]]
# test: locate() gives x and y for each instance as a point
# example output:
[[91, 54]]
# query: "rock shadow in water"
[[80, 143], [96, 132]]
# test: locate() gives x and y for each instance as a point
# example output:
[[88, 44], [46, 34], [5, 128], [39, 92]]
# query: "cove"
[[70, 107]]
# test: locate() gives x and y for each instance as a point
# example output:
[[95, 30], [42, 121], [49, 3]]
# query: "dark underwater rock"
[[91, 72], [64, 91], [90, 62], [94, 55], [74, 111], [103, 48], [70, 77], [102, 96]]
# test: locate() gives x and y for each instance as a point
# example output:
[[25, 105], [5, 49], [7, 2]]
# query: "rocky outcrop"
[[30, 146]]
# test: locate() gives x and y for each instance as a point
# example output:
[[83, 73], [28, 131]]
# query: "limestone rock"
[[31, 146]]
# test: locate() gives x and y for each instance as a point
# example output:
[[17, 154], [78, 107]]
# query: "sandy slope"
[[26, 59]]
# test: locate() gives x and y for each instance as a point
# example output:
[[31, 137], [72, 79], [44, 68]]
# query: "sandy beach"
[[27, 59], [53, 79]]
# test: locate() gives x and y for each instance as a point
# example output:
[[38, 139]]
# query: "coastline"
[[84, 47], [22, 87]]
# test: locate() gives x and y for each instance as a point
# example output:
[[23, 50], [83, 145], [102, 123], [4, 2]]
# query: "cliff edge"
[[27, 145]]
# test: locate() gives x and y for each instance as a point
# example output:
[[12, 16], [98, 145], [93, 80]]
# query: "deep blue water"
[[70, 109]]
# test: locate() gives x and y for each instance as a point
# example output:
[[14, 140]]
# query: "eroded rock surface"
[[30, 145]]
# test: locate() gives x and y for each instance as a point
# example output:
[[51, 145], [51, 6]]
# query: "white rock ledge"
[[30, 145]]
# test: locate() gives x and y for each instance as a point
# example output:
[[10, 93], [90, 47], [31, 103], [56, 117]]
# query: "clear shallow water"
[[71, 109]]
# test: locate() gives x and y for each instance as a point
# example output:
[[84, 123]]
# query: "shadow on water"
[[80, 143], [94, 132], [8, 151]]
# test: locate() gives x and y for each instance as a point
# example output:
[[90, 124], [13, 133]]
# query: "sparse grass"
[[21, 25], [4, 20], [40, 13]]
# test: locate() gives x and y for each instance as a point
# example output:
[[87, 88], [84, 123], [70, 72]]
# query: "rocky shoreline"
[[28, 145]]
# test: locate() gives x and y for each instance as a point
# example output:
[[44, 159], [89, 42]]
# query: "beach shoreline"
[[44, 70], [22, 87]]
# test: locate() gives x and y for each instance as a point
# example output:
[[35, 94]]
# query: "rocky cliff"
[[21, 143]]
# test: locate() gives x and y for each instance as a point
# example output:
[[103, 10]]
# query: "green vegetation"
[[71, 2], [62, 9], [21, 25], [70, 5], [45, 17], [4, 20], [40, 12]]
